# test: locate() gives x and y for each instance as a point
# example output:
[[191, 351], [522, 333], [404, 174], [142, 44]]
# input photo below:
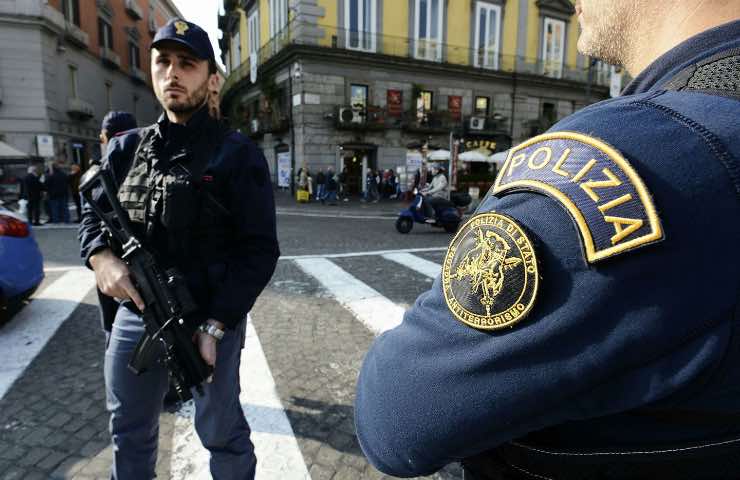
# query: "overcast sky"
[[205, 14]]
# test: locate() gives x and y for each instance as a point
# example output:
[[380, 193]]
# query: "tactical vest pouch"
[[133, 193], [179, 210]]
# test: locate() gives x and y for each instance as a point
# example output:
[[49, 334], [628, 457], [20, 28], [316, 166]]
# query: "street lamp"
[[294, 73]]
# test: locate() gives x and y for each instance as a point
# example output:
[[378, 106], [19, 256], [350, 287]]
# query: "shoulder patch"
[[489, 275], [608, 201]]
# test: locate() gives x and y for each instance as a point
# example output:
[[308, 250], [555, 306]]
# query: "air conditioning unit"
[[350, 115], [477, 123]]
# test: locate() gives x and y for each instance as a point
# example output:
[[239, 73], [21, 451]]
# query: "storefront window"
[[482, 105]]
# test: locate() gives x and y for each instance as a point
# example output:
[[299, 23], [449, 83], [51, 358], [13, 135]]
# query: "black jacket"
[[225, 290]]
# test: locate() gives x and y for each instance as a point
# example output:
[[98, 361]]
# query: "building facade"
[[373, 83], [65, 63]]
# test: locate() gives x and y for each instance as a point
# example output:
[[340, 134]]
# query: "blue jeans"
[[320, 191], [135, 403], [59, 210]]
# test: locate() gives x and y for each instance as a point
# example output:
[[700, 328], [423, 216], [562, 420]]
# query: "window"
[[482, 106], [254, 32], [428, 30], [553, 48], [236, 50], [359, 23], [278, 16], [487, 30], [133, 52], [358, 96], [105, 34], [549, 114], [424, 103], [109, 96], [72, 81], [71, 11]]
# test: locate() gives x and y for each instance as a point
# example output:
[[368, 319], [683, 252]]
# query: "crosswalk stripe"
[[415, 263], [31, 328], [363, 254], [278, 454], [374, 310]]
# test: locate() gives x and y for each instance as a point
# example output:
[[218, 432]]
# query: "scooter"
[[448, 216]]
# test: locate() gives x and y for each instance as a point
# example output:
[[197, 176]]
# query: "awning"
[[474, 156], [6, 151], [439, 155]]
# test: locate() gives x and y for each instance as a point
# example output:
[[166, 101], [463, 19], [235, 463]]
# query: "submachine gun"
[[166, 296]]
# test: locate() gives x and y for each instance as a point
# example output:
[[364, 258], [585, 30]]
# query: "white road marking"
[[417, 264], [31, 328], [374, 310], [362, 254], [278, 454]]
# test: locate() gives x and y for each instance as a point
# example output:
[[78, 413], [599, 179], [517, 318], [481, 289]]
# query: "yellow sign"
[[489, 276]]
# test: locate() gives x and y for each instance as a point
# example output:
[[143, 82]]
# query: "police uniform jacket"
[[229, 253], [614, 237]]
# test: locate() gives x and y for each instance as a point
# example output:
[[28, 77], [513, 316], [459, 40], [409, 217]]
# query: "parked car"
[[21, 262]]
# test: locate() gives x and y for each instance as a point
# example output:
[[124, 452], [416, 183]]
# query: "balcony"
[[134, 10], [484, 125], [429, 122], [267, 122], [110, 58], [348, 117], [75, 35], [79, 109], [138, 75]]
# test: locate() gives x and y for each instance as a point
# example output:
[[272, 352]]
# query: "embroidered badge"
[[181, 27], [489, 276], [608, 201]]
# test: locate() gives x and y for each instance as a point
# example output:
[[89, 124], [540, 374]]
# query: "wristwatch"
[[211, 330]]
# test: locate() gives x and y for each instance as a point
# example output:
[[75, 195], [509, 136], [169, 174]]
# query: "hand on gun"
[[113, 279]]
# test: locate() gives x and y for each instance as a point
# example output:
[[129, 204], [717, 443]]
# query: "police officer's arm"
[[251, 263], [111, 274], [601, 338]]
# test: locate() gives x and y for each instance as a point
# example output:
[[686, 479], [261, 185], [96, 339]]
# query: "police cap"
[[188, 34]]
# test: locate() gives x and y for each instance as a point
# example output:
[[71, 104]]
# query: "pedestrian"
[[115, 123], [584, 324], [57, 187], [32, 188], [320, 185], [342, 184], [330, 194], [371, 186], [226, 247], [75, 173]]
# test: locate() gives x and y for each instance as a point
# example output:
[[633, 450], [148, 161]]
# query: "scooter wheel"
[[451, 227], [404, 225]]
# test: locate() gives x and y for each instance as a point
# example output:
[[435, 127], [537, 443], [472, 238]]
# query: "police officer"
[[199, 196], [586, 322]]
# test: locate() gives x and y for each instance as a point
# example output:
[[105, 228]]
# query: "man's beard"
[[608, 35], [191, 103]]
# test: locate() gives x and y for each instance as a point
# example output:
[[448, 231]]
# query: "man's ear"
[[214, 83]]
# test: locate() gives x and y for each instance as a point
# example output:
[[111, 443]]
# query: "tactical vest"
[[528, 459], [178, 214]]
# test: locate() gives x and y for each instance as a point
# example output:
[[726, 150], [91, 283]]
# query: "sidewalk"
[[285, 203]]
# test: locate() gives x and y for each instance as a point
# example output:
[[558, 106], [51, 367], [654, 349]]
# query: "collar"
[[689, 52], [175, 131]]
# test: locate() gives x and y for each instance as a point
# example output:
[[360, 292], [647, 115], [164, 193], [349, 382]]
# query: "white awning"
[[6, 151], [474, 156], [439, 155]]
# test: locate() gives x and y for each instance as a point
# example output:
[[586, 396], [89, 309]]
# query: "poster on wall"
[[395, 103], [454, 105], [283, 161], [413, 163]]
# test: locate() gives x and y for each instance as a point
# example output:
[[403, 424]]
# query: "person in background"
[[75, 173], [33, 191], [330, 194], [320, 185], [57, 187]]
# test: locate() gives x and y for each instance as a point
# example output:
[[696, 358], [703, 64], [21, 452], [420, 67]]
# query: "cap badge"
[[489, 276], [181, 27]]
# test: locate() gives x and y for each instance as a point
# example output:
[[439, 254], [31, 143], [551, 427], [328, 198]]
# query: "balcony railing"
[[79, 109], [110, 58], [340, 39], [429, 122], [138, 75], [350, 117], [267, 122], [134, 10]]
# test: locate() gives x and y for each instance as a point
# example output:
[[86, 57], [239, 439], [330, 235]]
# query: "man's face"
[[606, 26], [180, 78]]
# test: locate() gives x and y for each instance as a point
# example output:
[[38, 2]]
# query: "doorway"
[[357, 159]]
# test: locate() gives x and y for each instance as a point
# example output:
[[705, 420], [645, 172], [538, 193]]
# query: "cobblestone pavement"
[[53, 422]]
